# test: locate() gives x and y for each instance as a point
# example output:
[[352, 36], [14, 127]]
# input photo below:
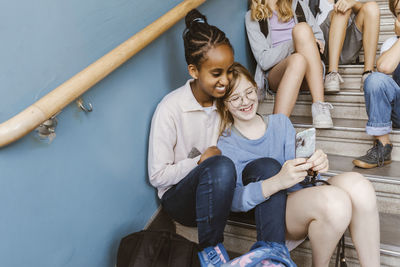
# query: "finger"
[[320, 160], [316, 155], [297, 161], [303, 167], [321, 167]]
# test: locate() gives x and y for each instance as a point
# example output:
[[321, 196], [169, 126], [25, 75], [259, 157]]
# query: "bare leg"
[[305, 44], [367, 20], [337, 33], [322, 212], [285, 78], [365, 217]]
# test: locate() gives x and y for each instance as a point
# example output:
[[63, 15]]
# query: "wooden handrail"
[[49, 105]]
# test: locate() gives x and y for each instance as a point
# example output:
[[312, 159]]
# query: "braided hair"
[[199, 37]]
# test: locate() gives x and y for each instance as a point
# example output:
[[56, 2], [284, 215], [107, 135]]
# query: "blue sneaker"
[[213, 256]]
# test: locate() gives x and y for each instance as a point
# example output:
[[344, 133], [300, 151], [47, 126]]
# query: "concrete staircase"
[[346, 140]]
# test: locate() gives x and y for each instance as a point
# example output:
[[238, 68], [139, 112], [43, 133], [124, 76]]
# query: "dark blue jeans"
[[382, 101], [269, 215], [203, 199]]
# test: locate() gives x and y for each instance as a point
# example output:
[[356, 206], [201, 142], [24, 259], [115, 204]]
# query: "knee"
[[334, 207], [222, 172], [302, 32], [260, 169], [297, 61], [373, 83], [371, 10], [362, 192]]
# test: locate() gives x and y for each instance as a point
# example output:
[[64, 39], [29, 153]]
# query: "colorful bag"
[[264, 254]]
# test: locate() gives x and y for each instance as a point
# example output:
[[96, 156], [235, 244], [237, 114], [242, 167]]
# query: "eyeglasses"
[[237, 99]]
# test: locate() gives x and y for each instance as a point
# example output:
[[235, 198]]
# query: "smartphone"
[[305, 143]]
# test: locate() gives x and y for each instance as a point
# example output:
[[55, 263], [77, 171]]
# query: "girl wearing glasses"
[[263, 150]]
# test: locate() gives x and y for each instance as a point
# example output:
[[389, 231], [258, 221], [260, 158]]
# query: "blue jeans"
[[203, 199], [269, 215], [382, 101]]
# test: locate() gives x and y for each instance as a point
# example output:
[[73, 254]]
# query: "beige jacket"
[[179, 125]]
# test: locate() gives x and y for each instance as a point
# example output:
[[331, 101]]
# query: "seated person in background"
[[382, 99], [263, 151], [284, 39], [347, 25]]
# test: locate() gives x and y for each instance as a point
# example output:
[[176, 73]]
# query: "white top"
[[388, 43], [179, 126], [325, 6]]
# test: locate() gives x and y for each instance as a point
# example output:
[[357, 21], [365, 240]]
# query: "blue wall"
[[68, 203]]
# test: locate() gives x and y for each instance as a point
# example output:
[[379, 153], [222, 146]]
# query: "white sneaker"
[[332, 82], [363, 78], [321, 115]]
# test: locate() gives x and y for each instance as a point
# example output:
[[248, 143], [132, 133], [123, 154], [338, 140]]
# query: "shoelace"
[[376, 152], [325, 106], [332, 74]]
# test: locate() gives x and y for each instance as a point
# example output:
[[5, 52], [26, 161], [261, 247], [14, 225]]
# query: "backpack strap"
[[300, 13], [264, 27]]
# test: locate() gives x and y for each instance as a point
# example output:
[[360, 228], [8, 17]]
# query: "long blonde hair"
[[260, 10], [238, 72]]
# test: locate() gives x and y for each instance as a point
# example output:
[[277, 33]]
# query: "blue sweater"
[[278, 142]]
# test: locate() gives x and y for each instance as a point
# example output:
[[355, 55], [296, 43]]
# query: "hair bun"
[[194, 16]]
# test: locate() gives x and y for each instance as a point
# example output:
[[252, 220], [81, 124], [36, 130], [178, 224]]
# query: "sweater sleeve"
[[163, 171], [265, 55], [245, 197], [312, 22]]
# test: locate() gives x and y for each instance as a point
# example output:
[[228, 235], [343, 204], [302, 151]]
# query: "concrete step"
[[346, 138], [341, 110]]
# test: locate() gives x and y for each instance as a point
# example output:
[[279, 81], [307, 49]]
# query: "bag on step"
[[156, 249], [264, 254]]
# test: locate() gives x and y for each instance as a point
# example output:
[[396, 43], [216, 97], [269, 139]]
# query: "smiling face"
[[243, 101], [213, 75]]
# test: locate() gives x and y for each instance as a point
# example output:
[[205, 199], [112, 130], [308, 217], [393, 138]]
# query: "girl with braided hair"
[[195, 182]]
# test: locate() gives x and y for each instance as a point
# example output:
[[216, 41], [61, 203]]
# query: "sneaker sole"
[[365, 165], [332, 90]]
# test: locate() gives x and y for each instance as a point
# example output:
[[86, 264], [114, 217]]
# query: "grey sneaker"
[[363, 78], [377, 156], [332, 82], [321, 115]]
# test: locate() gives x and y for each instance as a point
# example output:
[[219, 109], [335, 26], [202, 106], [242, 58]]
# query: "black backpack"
[[157, 249]]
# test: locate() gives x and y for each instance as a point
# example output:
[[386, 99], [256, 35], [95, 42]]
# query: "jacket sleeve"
[[162, 168], [263, 52], [312, 22], [244, 197]]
